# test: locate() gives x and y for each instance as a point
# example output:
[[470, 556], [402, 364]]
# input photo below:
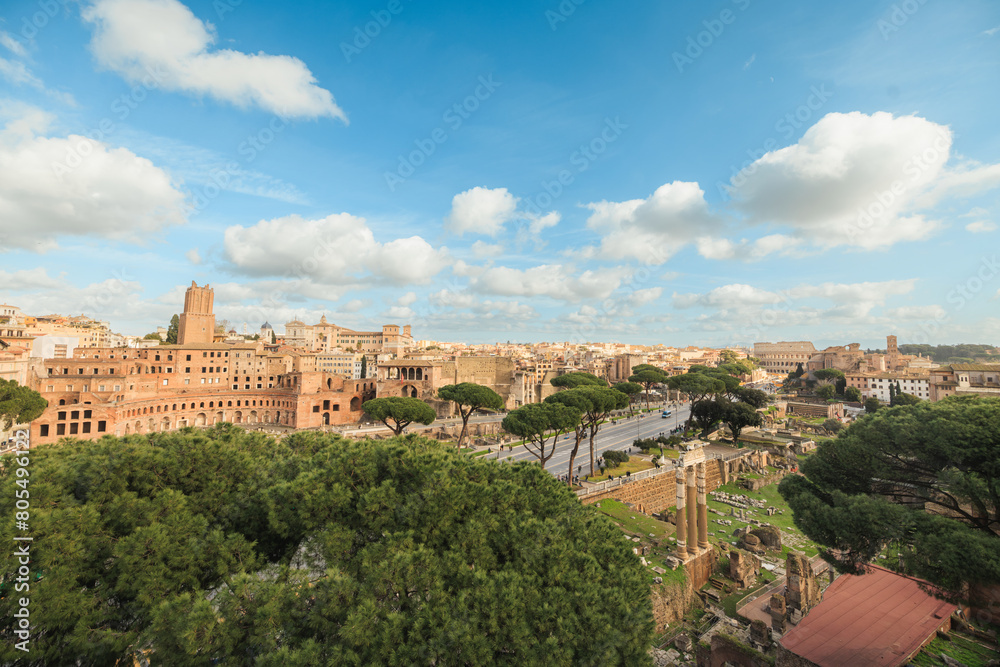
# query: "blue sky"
[[680, 173]]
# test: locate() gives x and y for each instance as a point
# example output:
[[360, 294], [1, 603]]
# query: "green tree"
[[868, 490], [753, 397], [173, 329], [647, 376], [579, 400], [833, 425], [872, 404], [604, 401], [19, 404], [470, 398], [577, 379], [536, 422], [152, 336], [631, 390], [708, 412], [829, 374], [223, 547], [274, 338], [797, 373], [364, 367], [902, 398], [826, 391], [401, 411], [737, 416], [697, 387], [853, 394]]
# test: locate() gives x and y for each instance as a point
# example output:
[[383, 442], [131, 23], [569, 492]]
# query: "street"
[[611, 436]]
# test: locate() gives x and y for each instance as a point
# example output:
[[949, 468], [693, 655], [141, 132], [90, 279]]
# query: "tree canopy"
[[867, 490], [399, 410], [630, 389], [224, 547], [829, 374], [19, 404], [469, 398], [647, 376], [536, 422], [173, 329], [577, 379]]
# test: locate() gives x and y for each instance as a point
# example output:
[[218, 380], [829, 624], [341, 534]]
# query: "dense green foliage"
[[577, 379], [865, 491], [826, 392], [944, 353], [469, 398], [173, 330], [536, 422], [615, 458], [648, 376], [630, 389], [218, 547], [853, 394], [872, 404], [19, 404], [398, 412]]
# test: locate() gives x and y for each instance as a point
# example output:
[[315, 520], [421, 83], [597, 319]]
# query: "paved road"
[[611, 436]]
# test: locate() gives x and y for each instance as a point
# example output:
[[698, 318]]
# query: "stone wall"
[[726, 650], [658, 492], [671, 602]]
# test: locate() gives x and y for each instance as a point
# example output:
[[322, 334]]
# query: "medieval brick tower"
[[197, 322], [891, 353]]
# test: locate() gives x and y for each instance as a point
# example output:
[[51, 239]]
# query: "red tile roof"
[[881, 618]]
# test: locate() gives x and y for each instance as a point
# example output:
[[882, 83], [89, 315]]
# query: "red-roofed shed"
[[881, 618]]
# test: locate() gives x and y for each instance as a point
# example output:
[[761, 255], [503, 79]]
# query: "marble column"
[[702, 509], [681, 518], [692, 515]]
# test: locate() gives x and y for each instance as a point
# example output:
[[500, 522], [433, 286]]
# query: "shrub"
[[615, 458]]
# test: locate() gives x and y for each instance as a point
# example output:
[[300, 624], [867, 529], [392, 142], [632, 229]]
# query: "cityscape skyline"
[[531, 172]]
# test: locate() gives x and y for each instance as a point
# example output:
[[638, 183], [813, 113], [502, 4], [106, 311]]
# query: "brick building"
[[120, 391]]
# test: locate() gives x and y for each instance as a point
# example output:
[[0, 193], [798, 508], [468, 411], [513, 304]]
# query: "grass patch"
[[769, 494], [641, 525], [634, 465], [960, 648]]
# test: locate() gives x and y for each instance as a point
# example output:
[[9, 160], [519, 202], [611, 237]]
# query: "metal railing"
[[669, 467]]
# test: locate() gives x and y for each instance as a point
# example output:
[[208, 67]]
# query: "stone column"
[[692, 515], [681, 518], [702, 509]]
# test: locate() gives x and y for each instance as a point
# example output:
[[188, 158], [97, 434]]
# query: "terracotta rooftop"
[[881, 618]]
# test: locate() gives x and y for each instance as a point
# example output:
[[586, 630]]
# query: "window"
[[189, 357], [164, 383], [87, 414], [315, 408], [118, 387], [60, 429], [43, 430], [102, 426], [86, 427]]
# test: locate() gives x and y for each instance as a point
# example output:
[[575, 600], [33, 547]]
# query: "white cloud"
[[542, 222], [407, 299], [481, 211], [858, 180], [193, 256], [400, 313], [339, 249], [353, 306], [728, 296], [843, 293], [981, 226], [162, 41], [483, 249], [644, 296], [59, 186], [934, 312], [652, 230], [556, 281], [28, 279], [12, 45]]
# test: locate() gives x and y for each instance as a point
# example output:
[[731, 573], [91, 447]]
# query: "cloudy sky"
[[654, 172]]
